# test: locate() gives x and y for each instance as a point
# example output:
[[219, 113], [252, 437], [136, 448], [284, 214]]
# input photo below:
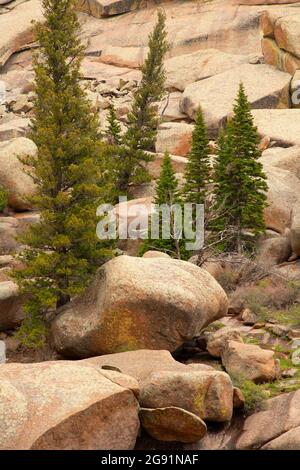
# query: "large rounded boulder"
[[139, 303]]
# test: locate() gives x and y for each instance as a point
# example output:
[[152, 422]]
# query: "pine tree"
[[143, 117], [197, 174], [113, 131], [63, 249], [167, 192], [240, 182]]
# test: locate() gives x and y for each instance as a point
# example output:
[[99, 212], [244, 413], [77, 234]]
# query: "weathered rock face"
[[99, 8], [249, 361], [275, 428], [92, 69], [172, 424], [11, 227], [99, 415], [190, 68], [169, 108], [290, 440], [221, 90], [284, 158], [220, 27], [20, 34], [283, 194], [14, 128], [287, 34], [207, 394], [280, 44], [12, 171], [279, 58], [174, 137], [274, 250], [281, 125], [132, 305]]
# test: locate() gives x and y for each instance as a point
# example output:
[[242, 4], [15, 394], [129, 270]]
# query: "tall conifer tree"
[[64, 251], [143, 117], [197, 174], [240, 182], [167, 193]]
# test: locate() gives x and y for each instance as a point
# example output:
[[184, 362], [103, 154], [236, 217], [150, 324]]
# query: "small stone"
[[258, 325], [288, 373], [278, 330], [172, 424], [296, 356], [262, 336], [6, 260], [103, 89], [248, 317], [238, 398], [129, 85], [255, 59], [103, 103], [21, 105], [292, 334], [216, 342]]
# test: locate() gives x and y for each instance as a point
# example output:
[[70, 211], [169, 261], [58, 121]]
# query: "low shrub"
[[255, 396], [266, 296], [228, 280]]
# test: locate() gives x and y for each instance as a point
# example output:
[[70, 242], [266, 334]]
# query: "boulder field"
[[123, 384], [119, 393], [104, 412]]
